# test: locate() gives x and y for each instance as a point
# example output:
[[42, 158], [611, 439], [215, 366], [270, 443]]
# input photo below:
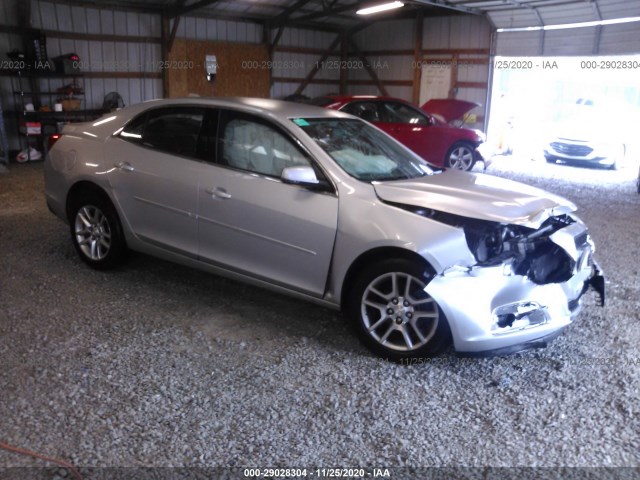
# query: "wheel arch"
[[368, 258], [83, 187]]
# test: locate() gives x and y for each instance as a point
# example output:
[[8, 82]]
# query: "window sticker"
[[301, 122]]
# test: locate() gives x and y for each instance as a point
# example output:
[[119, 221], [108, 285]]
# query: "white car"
[[324, 206], [586, 136]]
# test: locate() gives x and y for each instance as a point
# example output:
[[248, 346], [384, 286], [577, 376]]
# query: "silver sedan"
[[324, 206]]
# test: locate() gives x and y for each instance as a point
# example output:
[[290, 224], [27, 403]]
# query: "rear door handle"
[[124, 166], [218, 192]]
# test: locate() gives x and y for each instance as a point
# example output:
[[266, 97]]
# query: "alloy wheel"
[[93, 232], [397, 313], [461, 157]]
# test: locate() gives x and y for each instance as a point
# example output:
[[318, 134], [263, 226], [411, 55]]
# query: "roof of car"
[[275, 108], [350, 98]]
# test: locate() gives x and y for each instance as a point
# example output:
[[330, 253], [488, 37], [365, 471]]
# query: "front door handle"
[[218, 192], [124, 166]]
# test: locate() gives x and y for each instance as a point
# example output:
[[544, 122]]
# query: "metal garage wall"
[[7, 43], [295, 65], [617, 39], [439, 33], [387, 36], [104, 56], [459, 33]]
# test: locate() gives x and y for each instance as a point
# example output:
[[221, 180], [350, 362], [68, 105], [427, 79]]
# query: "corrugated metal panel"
[[456, 32], [516, 18], [620, 39], [618, 8], [281, 90], [296, 37], [571, 13], [390, 35], [578, 41], [298, 65], [103, 56], [9, 12], [614, 39], [513, 44], [194, 28], [386, 67], [472, 72]]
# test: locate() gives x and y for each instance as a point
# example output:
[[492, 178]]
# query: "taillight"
[[53, 139]]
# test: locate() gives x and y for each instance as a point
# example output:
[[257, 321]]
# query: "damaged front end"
[[525, 286]]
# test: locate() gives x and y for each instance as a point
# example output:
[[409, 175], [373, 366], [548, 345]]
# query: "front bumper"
[[579, 152], [498, 313], [484, 154]]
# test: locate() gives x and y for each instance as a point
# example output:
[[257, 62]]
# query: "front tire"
[[96, 231], [461, 156], [393, 315]]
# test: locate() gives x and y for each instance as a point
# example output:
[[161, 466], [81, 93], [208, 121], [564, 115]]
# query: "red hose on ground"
[[24, 451]]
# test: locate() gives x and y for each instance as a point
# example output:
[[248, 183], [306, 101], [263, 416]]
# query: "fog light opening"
[[518, 316]]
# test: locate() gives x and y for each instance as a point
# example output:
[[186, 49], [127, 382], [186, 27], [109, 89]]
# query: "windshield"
[[362, 150]]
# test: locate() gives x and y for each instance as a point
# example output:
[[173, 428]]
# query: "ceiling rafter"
[[192, 7]]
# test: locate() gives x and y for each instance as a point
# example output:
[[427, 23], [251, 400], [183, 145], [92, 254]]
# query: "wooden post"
[[344, 57], [417, 59], [164, 41], [318, 65], [454, 75]]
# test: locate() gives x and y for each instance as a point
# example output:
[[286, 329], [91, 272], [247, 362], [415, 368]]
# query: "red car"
[[432, 138]]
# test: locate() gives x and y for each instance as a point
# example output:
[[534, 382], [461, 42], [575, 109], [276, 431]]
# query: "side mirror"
[[303, 176]]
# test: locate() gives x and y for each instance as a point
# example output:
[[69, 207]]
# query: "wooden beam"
[[417, 54], [318, 65], [274, 43], [174, 29], [154, 75], [390, 83], [479, 85], [454, 76], [324, 13], [304, 50], [98, 37], [318, 81], [367, 66], [164, 47], [281, 20], [344, 56], [177, 12], [329, 81], [429, 51]]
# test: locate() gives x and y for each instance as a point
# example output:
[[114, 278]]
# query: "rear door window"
[[174, 130]]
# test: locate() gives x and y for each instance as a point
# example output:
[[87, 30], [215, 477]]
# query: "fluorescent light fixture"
[[379, 8], [598, 23]]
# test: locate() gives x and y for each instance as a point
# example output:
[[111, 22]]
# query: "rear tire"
[[392, 314], [96, 232]]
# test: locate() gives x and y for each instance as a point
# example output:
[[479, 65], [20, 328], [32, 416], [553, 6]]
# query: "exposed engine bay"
[[531, 252]]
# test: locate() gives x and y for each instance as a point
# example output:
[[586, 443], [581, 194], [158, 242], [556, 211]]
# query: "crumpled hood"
[[478, 196]]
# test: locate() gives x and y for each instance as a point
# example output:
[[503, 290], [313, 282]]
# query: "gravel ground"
[[159, 365]]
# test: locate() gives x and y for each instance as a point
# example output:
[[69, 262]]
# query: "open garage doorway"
[[568, 112]]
